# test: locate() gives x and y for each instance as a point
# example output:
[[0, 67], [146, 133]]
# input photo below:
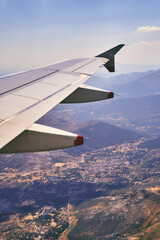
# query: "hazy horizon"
[[39, 32]]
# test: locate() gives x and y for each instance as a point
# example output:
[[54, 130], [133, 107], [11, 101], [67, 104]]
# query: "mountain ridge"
[[99, 134]]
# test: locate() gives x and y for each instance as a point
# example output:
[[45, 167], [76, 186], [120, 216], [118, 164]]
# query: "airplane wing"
[[27, 96]]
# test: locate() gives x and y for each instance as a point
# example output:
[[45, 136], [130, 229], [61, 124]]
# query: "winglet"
[[110, 65]]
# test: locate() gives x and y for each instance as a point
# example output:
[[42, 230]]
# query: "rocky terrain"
[[109, 188], [44, 194], [131, 215]]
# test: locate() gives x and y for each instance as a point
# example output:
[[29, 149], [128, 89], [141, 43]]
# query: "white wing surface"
[[25, 97]]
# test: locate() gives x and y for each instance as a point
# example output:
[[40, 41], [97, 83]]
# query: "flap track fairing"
[[88, 94], [42, 138]]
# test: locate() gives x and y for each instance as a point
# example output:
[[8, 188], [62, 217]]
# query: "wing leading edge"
[[27, 96]]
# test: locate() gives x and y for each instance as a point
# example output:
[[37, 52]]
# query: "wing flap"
[[90, 67], [9, 83], [61, 79], [79, 64], [38, 90], [12, 104], [26, 97]]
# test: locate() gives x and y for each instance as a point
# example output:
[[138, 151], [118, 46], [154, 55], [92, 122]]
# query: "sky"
[[39, 32]]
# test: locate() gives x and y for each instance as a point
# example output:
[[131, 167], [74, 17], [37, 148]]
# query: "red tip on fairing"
[[111, 95], [79, 140]]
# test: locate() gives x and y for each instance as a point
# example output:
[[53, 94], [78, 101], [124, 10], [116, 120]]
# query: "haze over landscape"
[[39, 32], [108, 188]]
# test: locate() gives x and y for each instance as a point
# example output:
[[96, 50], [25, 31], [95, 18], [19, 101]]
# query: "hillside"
[[125, 216], [108, 81], [39, 191], [143, 86], [151, 144], [100, 134], [130, 85], [104, 189], [138, 114], [135, 106]]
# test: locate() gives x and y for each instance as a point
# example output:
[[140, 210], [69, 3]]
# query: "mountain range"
[[136, 107], [104, 189]]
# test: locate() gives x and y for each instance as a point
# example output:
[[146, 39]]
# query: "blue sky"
[[38, 32]]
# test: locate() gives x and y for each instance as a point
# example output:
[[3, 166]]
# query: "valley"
[[109, 188]]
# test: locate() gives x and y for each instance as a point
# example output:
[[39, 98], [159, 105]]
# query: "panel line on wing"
[[38, 90], [13, 89], [20, 95], [64, 88], [11, 129], [82, 76], [6, 120], [84, 65], [11, 104], [39, 101]]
